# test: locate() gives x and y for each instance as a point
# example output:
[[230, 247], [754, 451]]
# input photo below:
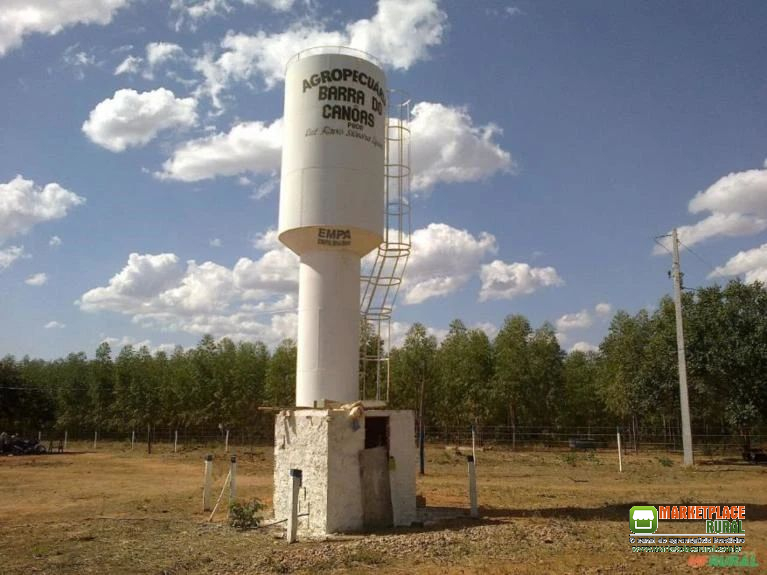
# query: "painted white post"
[[226, 442], [175, 442], [472, 486], [232, 479], [208, 480], [66, 433], [132, 439], [295, 486], [39, 436], [95, 438], [620, 457], [473, 444]]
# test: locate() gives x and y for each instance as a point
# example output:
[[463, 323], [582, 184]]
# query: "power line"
[[655, 239], [697, 255]]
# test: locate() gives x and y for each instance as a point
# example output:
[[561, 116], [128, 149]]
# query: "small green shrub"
[[665, 461], [244, 516], [570, 458], [591, 457]]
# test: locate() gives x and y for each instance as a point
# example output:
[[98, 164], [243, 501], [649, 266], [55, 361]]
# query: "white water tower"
[[338, 469], [331, 208]]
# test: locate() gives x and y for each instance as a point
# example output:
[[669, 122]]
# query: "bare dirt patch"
[[117, 511]]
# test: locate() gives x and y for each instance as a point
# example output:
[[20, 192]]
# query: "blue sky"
[[551, 142]]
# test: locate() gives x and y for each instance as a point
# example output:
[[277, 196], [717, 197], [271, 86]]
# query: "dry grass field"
[[116, 511]]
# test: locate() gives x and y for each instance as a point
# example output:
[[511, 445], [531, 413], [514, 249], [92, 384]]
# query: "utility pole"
[[683, 400]]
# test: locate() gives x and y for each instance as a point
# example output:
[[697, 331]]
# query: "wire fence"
[[509, 437], [160, 438], [536, 438]]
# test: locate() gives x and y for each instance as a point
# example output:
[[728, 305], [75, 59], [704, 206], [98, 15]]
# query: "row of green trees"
[[521, 378], [211, 384]]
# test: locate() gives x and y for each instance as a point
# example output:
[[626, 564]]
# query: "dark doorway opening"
[[377, 432], [374, 474]]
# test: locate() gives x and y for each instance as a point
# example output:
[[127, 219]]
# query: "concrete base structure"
[[357, 473]]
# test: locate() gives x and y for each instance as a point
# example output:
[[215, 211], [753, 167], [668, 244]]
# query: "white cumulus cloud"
[[159, 52], [443, 259], [78, 60], [256, 299], [130, 65], [37, 279], [448, 147], [584, 346], [248, 147], [191, 12], [156, 55], [276, 271], [582, 319], [399, 34], [603, 309], [54, 325], [751, 263], [19, 18], [204, 288], [9, 255], [740, 192], [266, 188], [715, 225], [737, 206], [490, 329], [507, 281], [23, 205], [401, 31], [143, 278], [54, 242], [578, 320], [130, 118], [194, 10]]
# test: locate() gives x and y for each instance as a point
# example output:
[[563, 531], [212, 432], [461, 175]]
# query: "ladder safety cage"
[[384, 269]]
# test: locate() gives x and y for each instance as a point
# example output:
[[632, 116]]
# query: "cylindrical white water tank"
[[331, 207], [328, 327]]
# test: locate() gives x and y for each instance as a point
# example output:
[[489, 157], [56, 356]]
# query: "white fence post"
[[175, 442], [66, 433], [620, 457], [132, 439], [95, 438], [232, 479], [473, 486], [226, 442], [208, 479]]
